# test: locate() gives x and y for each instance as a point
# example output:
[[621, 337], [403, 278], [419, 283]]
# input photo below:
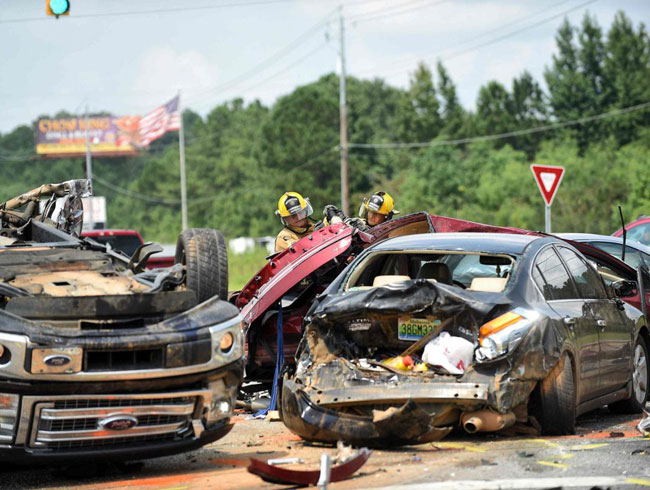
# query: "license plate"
[[409, 328]]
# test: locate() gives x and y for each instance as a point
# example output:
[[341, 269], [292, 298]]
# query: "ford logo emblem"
[[57, 360], [118, 422]]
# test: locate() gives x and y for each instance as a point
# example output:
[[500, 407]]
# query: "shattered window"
[[447, 268], [588, 282], [552, 278]]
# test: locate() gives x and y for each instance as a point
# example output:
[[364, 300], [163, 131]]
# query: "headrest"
[[435, 270], [488, 284], [383, 280]]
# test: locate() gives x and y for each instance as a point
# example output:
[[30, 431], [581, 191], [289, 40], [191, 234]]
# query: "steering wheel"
[[459, 284]]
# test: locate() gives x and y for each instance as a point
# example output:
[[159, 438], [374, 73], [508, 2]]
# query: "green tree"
[[452, 112]]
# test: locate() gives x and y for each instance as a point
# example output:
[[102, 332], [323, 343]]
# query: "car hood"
[[287, 268]]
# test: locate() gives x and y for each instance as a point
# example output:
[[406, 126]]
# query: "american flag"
[[162, 119]]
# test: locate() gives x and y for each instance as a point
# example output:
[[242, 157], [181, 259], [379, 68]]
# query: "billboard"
[[108, 135]]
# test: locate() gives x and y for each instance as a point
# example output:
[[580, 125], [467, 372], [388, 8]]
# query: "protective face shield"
[[380, 202], [293, 204]]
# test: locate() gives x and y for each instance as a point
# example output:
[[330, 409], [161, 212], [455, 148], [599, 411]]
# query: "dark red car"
[[637, 231]]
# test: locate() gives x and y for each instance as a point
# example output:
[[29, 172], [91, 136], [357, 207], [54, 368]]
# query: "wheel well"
[[643, 333], [534, 394]]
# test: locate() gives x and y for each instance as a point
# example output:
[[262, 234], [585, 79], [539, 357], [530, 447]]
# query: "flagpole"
[[181, 145], [89, 173]]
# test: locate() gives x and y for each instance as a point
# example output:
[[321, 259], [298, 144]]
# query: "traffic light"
[[57, 7]]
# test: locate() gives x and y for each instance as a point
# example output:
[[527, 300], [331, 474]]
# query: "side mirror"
[[139, 258], [624, 289]]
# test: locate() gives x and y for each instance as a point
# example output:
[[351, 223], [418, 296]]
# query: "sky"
[[109, 56]]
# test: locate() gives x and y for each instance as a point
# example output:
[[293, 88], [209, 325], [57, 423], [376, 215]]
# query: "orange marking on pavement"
[[227, 461]]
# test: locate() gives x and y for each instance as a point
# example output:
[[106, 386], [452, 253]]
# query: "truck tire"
[[556, 408], [640, 376], [205, 256]]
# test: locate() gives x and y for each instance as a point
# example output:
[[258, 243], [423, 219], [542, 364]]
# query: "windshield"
[[471, 270]]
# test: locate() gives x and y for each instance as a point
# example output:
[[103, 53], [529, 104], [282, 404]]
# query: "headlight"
[[8, 416], [227, 341], [501, 335]]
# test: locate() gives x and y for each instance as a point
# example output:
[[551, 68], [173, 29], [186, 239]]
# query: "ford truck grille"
[[73, 422]]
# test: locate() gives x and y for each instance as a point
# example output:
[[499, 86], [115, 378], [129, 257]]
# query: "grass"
[[241, 268]]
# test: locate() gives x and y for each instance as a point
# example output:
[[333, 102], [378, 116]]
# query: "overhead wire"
[[455, 53], [144, 197], [274, 58], [509, 134], [149, 11], [394, 12]]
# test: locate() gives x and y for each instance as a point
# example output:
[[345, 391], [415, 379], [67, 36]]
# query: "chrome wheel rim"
[[640, 374]]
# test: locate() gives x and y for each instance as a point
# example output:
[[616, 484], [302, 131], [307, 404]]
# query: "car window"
[[640, 233], [449, 268], [467, 267], [589, 284], [632, 256], [551, 276]]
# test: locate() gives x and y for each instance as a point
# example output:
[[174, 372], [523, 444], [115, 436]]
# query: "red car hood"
[[288, 268]]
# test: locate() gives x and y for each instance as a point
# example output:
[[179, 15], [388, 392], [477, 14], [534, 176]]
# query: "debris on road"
[[275, 474], [644, 424]]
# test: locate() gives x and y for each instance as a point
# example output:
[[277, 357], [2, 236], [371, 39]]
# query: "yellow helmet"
[[380, 202], [293, 203]]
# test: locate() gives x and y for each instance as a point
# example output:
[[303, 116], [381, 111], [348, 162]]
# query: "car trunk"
[[342, 372]]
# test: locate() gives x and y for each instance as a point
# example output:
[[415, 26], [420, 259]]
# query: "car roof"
[[592, 237], [496, 243]]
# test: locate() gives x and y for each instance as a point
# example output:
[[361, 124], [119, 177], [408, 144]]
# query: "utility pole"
[[344, 118], [89, 172], [181, 146]]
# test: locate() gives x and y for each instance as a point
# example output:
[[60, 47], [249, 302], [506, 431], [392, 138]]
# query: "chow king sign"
[[108, 136]]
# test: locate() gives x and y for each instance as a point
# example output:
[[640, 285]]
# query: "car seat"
[[435, 270]]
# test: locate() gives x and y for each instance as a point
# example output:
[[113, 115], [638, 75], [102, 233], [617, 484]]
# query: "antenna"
[[620, 212]]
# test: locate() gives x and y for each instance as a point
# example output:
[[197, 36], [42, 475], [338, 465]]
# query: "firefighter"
[[373, 211], [377, 209], [294, 211]]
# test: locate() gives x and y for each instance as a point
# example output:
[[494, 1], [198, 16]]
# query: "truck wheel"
[[557, 401], [205, 256], [640, 375]]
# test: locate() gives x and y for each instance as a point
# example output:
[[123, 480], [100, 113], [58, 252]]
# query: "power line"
[[395, 12], [268, 61], [286, 68], [456, 53], [147, 12], [498, 136], [143, 197], [519, 31]]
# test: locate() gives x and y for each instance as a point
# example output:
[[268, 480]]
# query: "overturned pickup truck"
[[423, 333], [99, 357]]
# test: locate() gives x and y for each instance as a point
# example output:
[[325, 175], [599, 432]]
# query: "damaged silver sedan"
[[425, 333]]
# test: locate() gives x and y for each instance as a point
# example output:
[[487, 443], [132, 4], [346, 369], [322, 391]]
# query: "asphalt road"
[[607, 452]]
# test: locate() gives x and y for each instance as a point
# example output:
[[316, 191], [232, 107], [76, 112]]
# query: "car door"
[[553, 279], [615, 333]]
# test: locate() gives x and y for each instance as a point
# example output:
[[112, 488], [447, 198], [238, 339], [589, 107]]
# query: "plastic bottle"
[[402, 363]]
